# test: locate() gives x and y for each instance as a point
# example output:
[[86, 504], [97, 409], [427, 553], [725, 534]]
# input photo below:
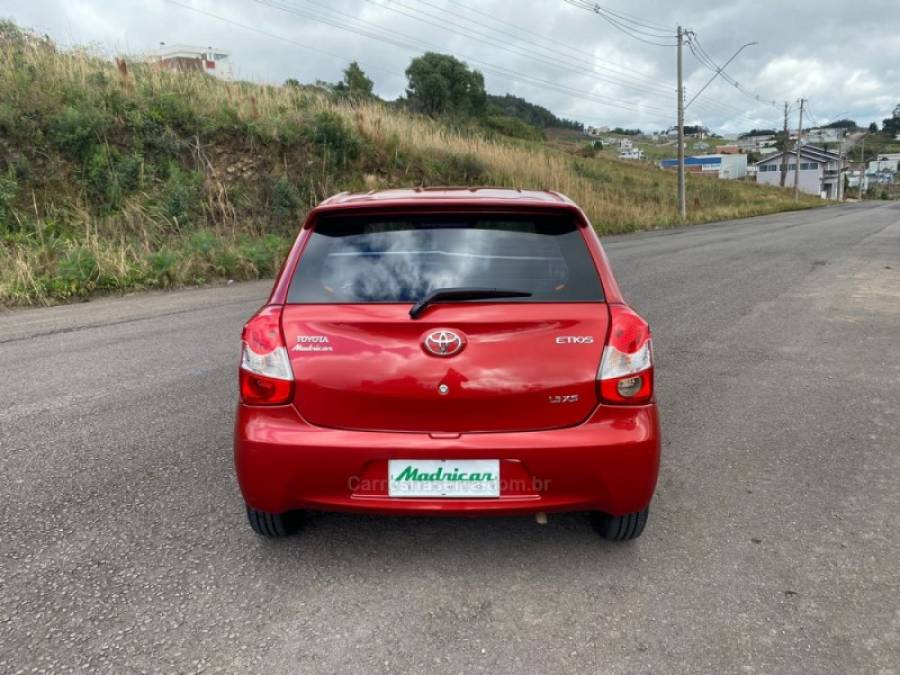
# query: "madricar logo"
[[411, 473]]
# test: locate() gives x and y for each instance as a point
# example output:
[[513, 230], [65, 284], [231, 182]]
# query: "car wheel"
[[620, 528], [273, 524]]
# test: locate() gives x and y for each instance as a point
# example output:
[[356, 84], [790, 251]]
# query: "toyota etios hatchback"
[[447, 352]]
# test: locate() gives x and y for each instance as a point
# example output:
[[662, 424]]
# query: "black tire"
[[620, 528], [273, 524]]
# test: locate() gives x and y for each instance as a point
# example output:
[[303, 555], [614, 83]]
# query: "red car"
[[447, 352]]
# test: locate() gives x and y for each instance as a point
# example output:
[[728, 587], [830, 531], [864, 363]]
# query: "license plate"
[[444, 478]]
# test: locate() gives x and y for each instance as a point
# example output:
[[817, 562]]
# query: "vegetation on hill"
[[529, 113], [121, 176]]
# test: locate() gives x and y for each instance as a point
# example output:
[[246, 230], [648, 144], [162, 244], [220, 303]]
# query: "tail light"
[[266, 376], [626, 369]]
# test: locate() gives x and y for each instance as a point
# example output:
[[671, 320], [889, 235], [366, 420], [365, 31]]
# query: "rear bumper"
[[608, 463]]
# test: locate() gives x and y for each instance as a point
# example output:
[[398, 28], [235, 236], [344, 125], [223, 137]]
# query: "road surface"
[[772, 546]]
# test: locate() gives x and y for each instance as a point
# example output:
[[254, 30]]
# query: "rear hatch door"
[[361, 362]]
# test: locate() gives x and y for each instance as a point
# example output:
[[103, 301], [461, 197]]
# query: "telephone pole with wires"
[[682, 197], [784, 153], [654, 34], [797, 160]]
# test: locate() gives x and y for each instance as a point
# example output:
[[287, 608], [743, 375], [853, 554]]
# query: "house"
[[825, 135], [595, 132], [821, 172], [186, 58], [728, 150], [701, 145], [755, 142], [727, 167], [889, 161], [625, 145], [633, 153]]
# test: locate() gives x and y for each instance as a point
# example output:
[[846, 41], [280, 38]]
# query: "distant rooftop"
[[165, 51]]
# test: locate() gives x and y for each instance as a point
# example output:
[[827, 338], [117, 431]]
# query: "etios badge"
[[443, 343]]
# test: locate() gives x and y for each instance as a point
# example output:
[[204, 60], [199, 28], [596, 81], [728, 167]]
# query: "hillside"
[[114, 178]]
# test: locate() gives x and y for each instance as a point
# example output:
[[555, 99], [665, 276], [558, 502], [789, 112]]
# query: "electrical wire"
[[580, 57], [395, 38], [486, 38], [629, 28], [704, 58], [573, 65]]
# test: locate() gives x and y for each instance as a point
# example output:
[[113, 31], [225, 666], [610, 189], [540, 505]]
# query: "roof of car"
[[463, 194]]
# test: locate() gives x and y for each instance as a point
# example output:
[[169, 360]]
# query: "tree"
[[873, 128], [355, 83], [441, 84], [892, 124], [841, 124]]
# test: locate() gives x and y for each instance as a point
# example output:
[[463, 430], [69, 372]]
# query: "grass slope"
[[113, 180]]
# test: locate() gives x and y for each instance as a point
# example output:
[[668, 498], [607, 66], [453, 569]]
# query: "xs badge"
[[565, 398]]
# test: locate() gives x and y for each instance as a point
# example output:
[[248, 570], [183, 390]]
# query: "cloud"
[[562, 57]]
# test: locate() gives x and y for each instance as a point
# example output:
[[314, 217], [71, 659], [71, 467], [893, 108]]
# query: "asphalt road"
[[773, 544]]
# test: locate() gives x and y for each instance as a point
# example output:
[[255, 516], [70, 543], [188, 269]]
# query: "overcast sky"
[[842, 56]]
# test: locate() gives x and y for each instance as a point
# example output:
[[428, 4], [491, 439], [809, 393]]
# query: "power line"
[[397, 39], [466, 31], [274, 36], [704, 58], [577, 65], [629, 27], [556, 43], [639, 21], [658, 86], [607, 14], [583, 57]]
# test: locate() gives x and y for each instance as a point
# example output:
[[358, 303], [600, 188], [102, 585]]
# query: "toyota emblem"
[[443, 343]]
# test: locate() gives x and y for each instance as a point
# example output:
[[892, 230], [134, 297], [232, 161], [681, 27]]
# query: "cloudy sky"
[[844, 57]]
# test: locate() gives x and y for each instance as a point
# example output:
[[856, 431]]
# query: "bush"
[[335, 136], [162, 267], [515, 128], [286, 201], [9, 189], [180, 198], [77, 273], [76, 130]]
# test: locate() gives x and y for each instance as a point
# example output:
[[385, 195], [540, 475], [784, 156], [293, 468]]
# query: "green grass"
[[112, 180]]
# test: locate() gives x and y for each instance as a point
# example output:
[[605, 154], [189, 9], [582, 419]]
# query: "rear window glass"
[[402, 259]]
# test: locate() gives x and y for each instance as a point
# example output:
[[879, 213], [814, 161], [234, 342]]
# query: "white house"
[[821, 172], [595, 132], [825, 135], [755, 142], [209, 60], [633, 153], [625, 145], [889, 161]]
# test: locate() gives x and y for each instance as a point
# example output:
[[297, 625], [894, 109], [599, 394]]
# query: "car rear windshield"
[[403, 258]]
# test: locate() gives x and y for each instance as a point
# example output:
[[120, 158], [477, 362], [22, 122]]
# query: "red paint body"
[[374, 396]]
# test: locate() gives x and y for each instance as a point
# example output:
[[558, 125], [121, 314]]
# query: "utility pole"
[[682, 201], [797, 161], [862, 171], [784, 152]]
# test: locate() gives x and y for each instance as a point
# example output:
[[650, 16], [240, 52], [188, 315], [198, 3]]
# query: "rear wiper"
[[466, 293]]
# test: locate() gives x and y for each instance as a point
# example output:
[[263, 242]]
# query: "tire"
[[273, 525], [620, 528]]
